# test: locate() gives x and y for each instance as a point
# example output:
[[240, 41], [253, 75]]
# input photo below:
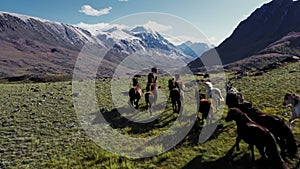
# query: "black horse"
[[135, 93], [256, 135], [175, 96]]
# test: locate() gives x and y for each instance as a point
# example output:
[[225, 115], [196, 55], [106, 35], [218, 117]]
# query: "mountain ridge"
[[266, 25]]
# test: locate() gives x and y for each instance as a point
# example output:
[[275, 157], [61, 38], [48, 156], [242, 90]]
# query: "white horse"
[[213, 93], [294, 100]]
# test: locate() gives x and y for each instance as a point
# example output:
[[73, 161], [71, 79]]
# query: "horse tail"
[[273, 153]]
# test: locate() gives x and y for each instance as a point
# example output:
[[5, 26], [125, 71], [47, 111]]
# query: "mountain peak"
[[113, 29], [188, 43], [140, 29]]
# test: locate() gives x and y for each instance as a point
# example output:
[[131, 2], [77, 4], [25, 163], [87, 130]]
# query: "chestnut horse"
[[205, 107], [278, 126], [256, 135]]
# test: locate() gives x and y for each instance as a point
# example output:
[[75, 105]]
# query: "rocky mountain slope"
[[269, 34]]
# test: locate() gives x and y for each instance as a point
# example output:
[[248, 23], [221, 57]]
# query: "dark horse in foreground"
[[135, 93], [175, 96], [278, 126], [256, 135]]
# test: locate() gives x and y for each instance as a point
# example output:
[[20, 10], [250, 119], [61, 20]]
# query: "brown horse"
[[175, 96], [256, 135], [233, 97], [205, 106], [278, 126]]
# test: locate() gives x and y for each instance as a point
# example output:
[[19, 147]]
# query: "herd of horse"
[[256, 128], [135, 94]]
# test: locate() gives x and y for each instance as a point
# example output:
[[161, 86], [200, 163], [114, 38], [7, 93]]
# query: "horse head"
[[171, 84], [135, 81], [233, 99], [233, 113], [288, 98]]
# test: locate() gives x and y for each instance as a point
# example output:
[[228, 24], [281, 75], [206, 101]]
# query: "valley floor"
[[40, 129]]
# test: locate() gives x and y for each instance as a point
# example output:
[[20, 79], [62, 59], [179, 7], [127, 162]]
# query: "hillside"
[[269, 33]]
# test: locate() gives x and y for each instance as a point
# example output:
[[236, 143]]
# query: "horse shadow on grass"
[[194, 134], [117, 121], [229, 161]]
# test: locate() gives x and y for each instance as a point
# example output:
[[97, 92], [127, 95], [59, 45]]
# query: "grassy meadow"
[[40, 128]]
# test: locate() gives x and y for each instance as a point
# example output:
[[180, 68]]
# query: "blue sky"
[[216, 19]]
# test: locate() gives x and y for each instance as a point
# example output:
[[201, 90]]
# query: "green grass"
[[40, 129]]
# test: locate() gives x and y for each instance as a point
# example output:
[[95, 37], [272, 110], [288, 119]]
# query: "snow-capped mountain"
[[194, 49], [31, 45], [140, 39], [13, 26]]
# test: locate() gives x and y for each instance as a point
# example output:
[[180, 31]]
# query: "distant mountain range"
[[194, 49], [269, 35], [31, 45]]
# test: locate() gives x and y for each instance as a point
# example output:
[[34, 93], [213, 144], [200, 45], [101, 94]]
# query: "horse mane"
[[209, 84], [242, 114]]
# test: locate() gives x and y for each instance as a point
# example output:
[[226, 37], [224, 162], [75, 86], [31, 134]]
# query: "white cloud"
[[123, 0], [99, 27], [88, 10], [157, 27]]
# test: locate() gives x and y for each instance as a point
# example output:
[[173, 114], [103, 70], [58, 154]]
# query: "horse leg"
[[137, 103], [179, 106], [261, 151], [150, 108], [237, 142], [155, 95], [282, 146], [203, 116], [173, 106], [131, 100], [251, 146]]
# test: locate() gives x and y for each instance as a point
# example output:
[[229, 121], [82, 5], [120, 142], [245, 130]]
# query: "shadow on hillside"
[[227, 162]]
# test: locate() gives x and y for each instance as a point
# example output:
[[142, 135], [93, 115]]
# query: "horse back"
[[174, 94], [255, 134], [205, 106]]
